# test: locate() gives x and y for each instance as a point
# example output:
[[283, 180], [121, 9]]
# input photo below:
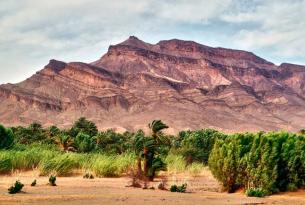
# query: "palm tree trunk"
[[139, 167], [146, 163]]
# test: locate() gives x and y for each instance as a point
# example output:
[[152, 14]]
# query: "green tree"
[[111, 142], [53, 131], [85, 126], [226, 160], [197, 145], [156, 127], [292, 173], [148, 149], [223, 164], [65, 142], [144, 147], [6, 137], [269, 162], [32, 133], [84, 142]]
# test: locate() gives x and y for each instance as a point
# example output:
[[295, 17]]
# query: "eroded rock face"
[[187, 85]]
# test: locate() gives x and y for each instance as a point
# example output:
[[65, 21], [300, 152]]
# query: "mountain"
[[186, 84]]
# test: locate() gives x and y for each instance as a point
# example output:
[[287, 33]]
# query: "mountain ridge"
[[186, 84]]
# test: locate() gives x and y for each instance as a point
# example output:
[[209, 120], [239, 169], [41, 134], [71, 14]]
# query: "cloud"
[[280, 28], [191, 11], [34, 31]]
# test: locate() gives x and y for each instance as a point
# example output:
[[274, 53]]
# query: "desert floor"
[[106, 191]]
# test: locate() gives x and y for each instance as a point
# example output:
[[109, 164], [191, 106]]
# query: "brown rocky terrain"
[[186, 84]]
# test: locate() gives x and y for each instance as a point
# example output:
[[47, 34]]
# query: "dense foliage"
[[270, 162], [148, 149], [6, 138], [85, 126], [197, 145], [261, 163], [84, 142], [34, 133], [256, 192]]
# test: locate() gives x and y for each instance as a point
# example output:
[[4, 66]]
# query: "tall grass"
[[61, 165], [112, 166], [26, 159], [176, 164], [49, 160], [5, 165], [195, 169]]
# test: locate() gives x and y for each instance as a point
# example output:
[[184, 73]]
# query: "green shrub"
[[292, 164], [273, 161], [16, 188], [181, 189], [256, 192], [6, 137], [161, 186], [173, 188], [34, 183], [52, 180], [224, 162], [292, 187], [197, 145], [84, 142], [88, 175]]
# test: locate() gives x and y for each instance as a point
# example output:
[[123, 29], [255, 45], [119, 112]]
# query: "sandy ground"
[[106, 191]]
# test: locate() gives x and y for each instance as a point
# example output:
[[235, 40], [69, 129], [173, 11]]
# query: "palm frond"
[[157, 126]]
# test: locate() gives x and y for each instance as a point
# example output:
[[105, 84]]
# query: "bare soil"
[[107, 191]]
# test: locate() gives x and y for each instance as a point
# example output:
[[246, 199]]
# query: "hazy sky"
[[34, 31]]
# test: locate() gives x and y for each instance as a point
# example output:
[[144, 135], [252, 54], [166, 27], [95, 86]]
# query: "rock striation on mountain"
[[186, 84]]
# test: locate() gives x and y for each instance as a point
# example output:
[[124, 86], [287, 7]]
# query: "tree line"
[[261, 163]]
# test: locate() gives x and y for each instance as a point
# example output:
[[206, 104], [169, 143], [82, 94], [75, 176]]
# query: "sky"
[[34, 31]]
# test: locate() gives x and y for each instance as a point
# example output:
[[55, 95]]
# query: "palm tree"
[[143, 146], [65, 142], [156, 127], [146, 149]]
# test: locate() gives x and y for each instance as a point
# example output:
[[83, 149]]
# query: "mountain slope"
[[186, 84]]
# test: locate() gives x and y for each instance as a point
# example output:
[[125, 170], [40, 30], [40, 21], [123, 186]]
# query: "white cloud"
[[191, 11], [280, 26], [33, 31]]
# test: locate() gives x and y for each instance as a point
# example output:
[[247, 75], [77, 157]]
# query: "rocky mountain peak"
[[184, 83], [135, 42], [55, 65]]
